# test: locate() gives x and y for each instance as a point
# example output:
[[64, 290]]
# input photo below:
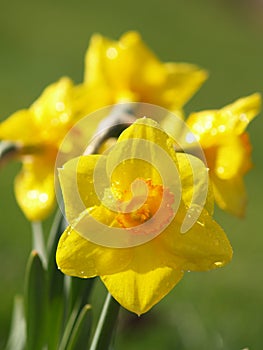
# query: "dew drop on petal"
[[200, 223], [43, 197], [60, 106], [193, 213], [112, 53], [220, 170], [83, 274], [222, 128], [190, 138], [243, 118], [208, 124]]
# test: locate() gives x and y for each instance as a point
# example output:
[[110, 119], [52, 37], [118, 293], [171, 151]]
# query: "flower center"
[[149, 209]]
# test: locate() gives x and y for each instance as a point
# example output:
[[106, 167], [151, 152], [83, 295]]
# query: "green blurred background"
[[43, 40]]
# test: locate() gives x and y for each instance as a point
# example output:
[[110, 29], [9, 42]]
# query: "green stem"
[[106, 324], [39, 242], [57, 228]]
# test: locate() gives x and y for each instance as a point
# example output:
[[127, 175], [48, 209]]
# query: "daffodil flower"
[[144, 204], [38, 132], [222, 136], [127, 70]]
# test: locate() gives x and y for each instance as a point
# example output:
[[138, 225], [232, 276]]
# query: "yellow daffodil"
[[38, 132], [222, 136], [136, 200], [127, 70]]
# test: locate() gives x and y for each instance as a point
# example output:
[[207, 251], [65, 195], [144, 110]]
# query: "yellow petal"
[[204, 247], [238, 114], [34, 188], [230, 195], [120, 65], [87, 100], [145, 71], [182, 82], [145, 281], [195, 182], [232, 158], [143, 150], [131, 72], [53, 110], [76, 256], [20, 127], [204, 126], [94, 60], [213, 126], [77, 183]]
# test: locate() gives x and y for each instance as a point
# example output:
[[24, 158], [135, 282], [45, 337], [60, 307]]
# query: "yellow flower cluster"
[[114, 72], [128, 71]]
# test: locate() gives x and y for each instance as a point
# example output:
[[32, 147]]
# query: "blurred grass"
[[41, 41]]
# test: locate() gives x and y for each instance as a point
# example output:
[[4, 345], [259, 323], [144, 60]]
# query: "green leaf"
[[57, 229], [80, 290], [39, 242], [80, 334], [35, 303], [17, 337], [56, 295], [69, 328], [78, 293], [103, 334]]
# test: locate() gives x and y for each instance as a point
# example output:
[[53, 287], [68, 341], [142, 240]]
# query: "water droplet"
[[43, 197], [243, 118], [208, 124], [218, 263], [60, 106], [220, 170], [222, 128], [112, 53], [83, 274], [199, 128], [190, 138], [201, 223], [191, 218]]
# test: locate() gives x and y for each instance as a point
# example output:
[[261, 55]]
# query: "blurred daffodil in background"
[[223, 137], [114, 71], [127, 70], [38, 131]]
